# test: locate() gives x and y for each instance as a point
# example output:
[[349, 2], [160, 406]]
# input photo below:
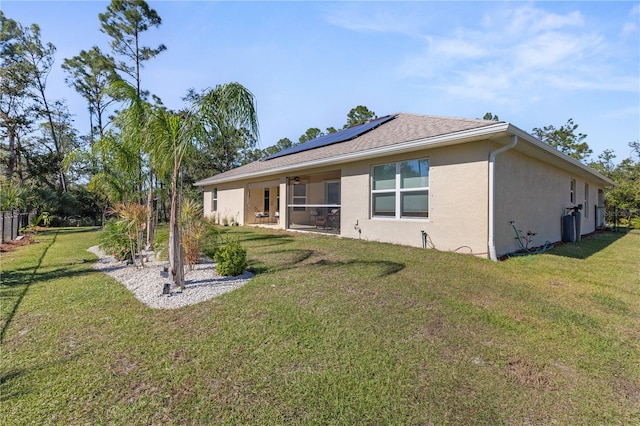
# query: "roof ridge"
[[446, 117]]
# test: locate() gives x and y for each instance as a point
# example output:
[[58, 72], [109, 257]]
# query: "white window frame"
[[398, 191], [572, 192], [214, 200], [586, 201], [299, 201]]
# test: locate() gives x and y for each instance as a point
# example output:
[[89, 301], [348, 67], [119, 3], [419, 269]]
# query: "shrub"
[[133, 216], [114, 239], [198, 234], [231, 258], [45, 219]]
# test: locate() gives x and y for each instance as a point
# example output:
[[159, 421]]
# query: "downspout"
[[492, 159]]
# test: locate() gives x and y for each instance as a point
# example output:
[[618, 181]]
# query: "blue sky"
[[308, 63]]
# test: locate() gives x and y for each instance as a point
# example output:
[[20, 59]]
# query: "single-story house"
[[455, 184]]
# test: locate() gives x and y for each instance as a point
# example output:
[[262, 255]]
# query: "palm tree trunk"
[[150, 222], [175, 241]]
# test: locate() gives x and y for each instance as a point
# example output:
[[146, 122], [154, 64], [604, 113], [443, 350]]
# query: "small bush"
[[198, 234], [114, 239], [231, 259], [45, 219]]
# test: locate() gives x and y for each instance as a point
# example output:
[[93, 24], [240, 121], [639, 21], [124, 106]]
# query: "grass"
[[330, 331]]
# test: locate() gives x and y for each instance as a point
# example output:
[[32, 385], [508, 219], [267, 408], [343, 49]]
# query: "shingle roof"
[[404, 128]]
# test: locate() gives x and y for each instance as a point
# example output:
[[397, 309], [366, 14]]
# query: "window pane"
[[384, 177], [414, 174], [415, 204], [300, 190], [299, 201], [333, 193], [384, 204]]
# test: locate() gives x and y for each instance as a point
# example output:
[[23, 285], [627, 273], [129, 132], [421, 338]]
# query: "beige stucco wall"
[[206, 201], [230, 203], [535, 195], [457, 202], [256, 200], [528, 191]]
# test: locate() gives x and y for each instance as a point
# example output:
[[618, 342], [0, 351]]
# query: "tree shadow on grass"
[[9, 391], [588, 245], [6, 391], [385, 267], [287, 259], [26, 275], [16, 283], [293, 258], [269, 239], [67, 230]]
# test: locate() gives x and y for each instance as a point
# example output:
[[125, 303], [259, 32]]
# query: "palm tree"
[[228, 123], [118, 152], [133, 121], [173, 137]]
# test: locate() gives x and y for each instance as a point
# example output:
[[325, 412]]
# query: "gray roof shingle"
[[404, 128]]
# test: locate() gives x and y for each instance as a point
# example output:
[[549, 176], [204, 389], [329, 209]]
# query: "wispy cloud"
[[514, 48], [631, 27], [533, 20], [381, 20]]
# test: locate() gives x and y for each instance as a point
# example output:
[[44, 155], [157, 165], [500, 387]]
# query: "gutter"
[[492, 159]]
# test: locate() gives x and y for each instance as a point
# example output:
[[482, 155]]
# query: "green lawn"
[[330, 331]]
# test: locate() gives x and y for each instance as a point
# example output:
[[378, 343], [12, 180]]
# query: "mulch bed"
[[13, 244]]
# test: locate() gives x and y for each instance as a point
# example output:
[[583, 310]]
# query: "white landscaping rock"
[[202, 283]]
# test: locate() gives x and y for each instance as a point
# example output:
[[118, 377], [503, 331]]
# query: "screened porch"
[[313, 202]]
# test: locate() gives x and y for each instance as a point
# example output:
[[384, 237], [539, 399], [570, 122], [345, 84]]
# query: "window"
[[299, 196], [401, 190], [214, 200], [586, 200], [266, 200], [332, 193], [572, 192]]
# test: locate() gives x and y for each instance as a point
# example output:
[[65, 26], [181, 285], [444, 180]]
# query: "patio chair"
[[333, 219], [260, 216], [321, 220]]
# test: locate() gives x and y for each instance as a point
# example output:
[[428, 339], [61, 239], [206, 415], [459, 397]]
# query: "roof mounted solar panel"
[[341, 136]]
